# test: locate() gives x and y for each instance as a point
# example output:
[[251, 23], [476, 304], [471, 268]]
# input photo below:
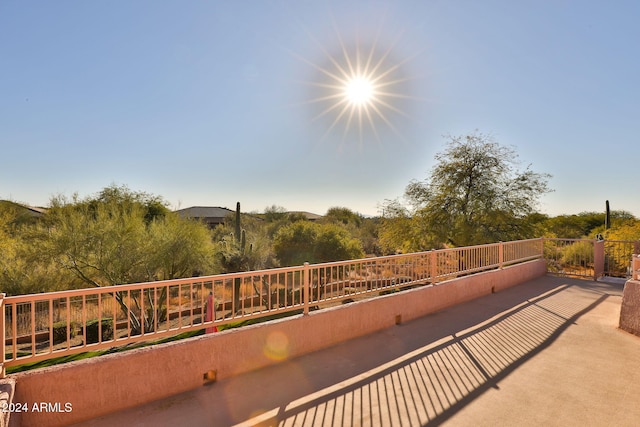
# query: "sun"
[[359, 91]]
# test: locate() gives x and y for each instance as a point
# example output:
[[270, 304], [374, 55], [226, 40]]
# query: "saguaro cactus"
[[237, 257], [607, 218], [238, 230]]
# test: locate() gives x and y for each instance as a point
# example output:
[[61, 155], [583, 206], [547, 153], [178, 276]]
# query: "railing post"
[[500, 255], [635, 260], [598, 259], [2, 336], [434, 266], [306, 284]]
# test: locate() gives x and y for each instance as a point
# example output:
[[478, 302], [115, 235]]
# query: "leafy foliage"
[[475, 194], [179, 248], [117, 237], [305, 241], [573, 226], [586, 224], [628, 230], [404, 231], [363, 229], [23, 266]]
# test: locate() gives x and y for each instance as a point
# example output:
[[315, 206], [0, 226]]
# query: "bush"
[[60, 331], [91, 332], [305, 241]]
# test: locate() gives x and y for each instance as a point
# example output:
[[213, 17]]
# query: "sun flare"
[[359, 90]]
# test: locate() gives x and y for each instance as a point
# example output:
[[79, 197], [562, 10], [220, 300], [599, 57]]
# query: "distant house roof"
[[31, 210], [37, 211], [309, 215], [211, 215]]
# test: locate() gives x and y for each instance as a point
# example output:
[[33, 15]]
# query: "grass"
[[89, 354], [248, 322]]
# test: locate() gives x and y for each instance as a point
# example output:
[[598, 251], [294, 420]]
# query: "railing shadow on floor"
[[430, 384]]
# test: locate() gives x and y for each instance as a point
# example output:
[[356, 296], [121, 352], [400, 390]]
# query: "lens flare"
[[277, 346]]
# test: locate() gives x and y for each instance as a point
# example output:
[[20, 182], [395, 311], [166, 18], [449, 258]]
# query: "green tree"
[[121, 237], [103, 243], [404, 231], [275, 213], [360, 227], [627, 230], [293, 244], [23, 267], [368, 233], [572, 226], [9, 262], [276, 217], [154, 207], [584, 224], [475, 194], [304, 241], [179, 248], [344, 216]]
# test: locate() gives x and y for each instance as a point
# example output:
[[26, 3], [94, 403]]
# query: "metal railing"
[[570, 257], [590, 257], [617, 257], [43, 326]]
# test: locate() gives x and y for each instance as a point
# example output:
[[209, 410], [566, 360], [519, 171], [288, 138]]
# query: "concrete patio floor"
[[547, 352]]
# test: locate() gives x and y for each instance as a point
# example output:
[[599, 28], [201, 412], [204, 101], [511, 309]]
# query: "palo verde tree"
[[11, 266], [121, 237], [475, 194], [24, 267]]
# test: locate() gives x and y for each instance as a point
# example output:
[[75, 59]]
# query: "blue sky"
[[209, 102]]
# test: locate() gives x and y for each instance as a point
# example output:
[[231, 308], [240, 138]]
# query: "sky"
[[207, 103]]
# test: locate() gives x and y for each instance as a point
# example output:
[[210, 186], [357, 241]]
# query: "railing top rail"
[[145, 285], [513, 242], [365, 260], [560, 239], [413, 254], [461, 248]]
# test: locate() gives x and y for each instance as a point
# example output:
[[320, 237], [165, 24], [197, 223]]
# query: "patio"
[[547, 352]]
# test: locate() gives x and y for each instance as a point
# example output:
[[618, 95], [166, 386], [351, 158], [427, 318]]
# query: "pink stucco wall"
[[630, 308], [110, 383]]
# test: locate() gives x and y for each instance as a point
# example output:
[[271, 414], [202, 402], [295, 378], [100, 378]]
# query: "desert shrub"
[[578, 253], [91, 330], [60, 331]]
